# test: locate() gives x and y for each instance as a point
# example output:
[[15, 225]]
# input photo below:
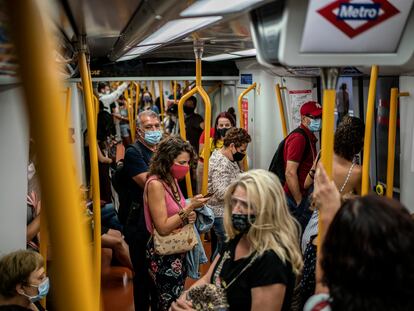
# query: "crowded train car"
[[207, 155]]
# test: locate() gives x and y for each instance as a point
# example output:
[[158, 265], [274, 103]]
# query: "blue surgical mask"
[[153, 137], [315, 125], [42, 288]]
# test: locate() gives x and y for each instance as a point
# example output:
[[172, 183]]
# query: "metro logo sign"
[[354, 18]]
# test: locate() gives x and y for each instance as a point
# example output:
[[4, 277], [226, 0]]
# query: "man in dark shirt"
[[297, 163], [136, 165]]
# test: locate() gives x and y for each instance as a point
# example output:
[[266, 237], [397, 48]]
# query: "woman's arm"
[[268, 298], [158, 209], [182, 303]]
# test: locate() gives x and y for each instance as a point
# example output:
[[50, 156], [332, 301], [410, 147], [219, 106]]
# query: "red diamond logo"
[[354, 18]]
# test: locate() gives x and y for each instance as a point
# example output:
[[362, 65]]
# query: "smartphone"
[[210, 194]]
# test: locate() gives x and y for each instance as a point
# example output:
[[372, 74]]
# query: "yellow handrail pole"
[[213, 88], [183, 134], [328, 122], [67, 107], [153, 90], [281, 110], [93, 154], [392, 130], [241, 116], [207, 122], [239, 103], [137, 93], [175, 91], [160, 87], [96, 110], [55, 158], [368, 130]]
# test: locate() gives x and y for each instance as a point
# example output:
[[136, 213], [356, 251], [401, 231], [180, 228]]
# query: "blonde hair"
[[274, 228]]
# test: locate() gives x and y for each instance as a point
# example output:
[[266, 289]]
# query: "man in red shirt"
[[299, 154]]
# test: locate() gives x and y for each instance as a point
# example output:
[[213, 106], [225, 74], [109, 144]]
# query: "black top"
[[193, 129], [265, 270], [136, 163]]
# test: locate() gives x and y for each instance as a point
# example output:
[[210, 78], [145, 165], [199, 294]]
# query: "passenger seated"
[[258, 266], [114, 240], [23, 281], [367, 256]]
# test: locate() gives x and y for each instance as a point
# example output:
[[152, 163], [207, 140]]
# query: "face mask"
[[315, 125], [152, 137], [238, 156], [147, 99], [188, 110], [179, 171], [107, 92], [222, 132], [242, 222], [42, 288]]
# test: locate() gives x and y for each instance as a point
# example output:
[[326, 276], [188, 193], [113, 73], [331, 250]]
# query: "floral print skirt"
[[168, 273]]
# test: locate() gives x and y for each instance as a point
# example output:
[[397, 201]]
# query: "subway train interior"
[[262, 59]]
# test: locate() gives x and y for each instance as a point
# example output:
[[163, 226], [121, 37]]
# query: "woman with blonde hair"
[[258, 266]]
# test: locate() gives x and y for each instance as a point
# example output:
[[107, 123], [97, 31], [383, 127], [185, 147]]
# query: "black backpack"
[[120, 181], [277, 165]]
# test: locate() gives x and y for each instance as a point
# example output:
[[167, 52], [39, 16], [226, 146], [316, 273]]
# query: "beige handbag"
[[179, 241]]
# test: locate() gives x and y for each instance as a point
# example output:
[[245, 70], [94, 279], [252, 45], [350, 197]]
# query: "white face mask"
[[31, 171]]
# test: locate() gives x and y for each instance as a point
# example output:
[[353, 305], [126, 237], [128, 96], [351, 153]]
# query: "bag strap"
[[137, 148], [308, 143], [223, 259]]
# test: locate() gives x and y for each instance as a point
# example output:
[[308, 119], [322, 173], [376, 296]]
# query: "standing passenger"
[[223, 170], [257, 267], [107, 97], [342, 103], [136, 165], [299, 155], [166, 211]]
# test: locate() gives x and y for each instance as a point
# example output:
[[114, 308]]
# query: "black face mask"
[[222, 132], [241, 222], [238, 156], [188, 110]]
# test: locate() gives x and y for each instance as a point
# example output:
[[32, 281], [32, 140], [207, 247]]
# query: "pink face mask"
[[179, 171]]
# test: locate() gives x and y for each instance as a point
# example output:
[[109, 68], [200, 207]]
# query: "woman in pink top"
[[163, 201]]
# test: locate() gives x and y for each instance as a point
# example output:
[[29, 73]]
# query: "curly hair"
[[227, 116], [349, 137], [167, 150], [237, 136], [368, 256]]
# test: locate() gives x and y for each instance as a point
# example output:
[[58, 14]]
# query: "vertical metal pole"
[[161, 91], [368, 130], [67, 111], [61, 200], [281, 110], [93, 154], [241, 116], [392, 128]]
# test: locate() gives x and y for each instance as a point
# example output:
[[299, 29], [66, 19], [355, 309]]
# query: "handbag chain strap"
[[225, 257]]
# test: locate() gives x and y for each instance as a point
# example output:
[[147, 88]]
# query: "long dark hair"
[[167, 150], [368, 256], [226, 115]]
